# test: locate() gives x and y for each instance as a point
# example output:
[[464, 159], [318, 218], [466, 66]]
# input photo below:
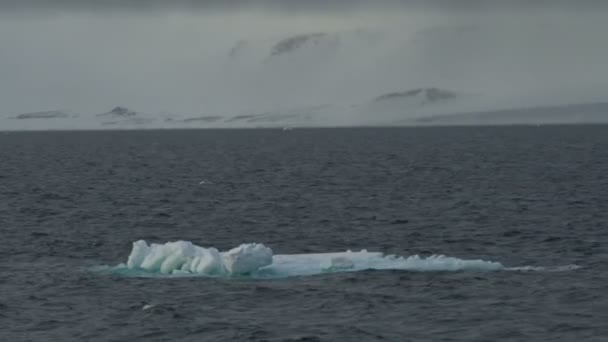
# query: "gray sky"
[[293, 5], [174, 56]]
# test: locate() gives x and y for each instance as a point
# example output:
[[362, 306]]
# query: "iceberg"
[[255, 260]]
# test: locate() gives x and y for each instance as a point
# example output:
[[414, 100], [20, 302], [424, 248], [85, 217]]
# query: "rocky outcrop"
[[54, 114], [119, 112], [124, 116], [426, 95], [296, 42]]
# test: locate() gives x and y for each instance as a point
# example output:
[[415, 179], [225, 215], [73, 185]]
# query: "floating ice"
[[561, 268], [310, 264], [247, 258], [183, 258]]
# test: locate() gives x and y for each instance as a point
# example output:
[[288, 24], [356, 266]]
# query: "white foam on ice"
[[183, 258]]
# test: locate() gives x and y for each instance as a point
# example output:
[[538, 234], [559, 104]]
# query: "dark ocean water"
[[522, 196]]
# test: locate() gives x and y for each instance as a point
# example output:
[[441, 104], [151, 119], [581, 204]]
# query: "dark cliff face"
[[120, 112], [295, 42], [323, 41], [43, 115], [428, 95]]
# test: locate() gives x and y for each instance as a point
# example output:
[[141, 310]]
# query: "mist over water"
[[198, 60]]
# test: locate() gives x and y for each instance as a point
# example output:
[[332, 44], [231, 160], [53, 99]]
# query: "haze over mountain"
[[273, 63]]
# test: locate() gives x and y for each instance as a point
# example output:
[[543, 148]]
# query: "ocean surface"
[[534, 199]]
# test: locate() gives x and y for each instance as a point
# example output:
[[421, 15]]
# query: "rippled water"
[[71, 202]]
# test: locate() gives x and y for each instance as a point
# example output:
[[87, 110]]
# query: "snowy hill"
[[125, 116]]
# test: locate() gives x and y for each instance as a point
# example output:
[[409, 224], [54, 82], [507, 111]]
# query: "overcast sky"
[[175, 56], [293, 5]]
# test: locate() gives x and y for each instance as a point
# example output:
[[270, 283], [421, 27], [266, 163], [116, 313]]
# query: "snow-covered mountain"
[[415, 107], [122, 116], [587, 113], [380, 68]]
